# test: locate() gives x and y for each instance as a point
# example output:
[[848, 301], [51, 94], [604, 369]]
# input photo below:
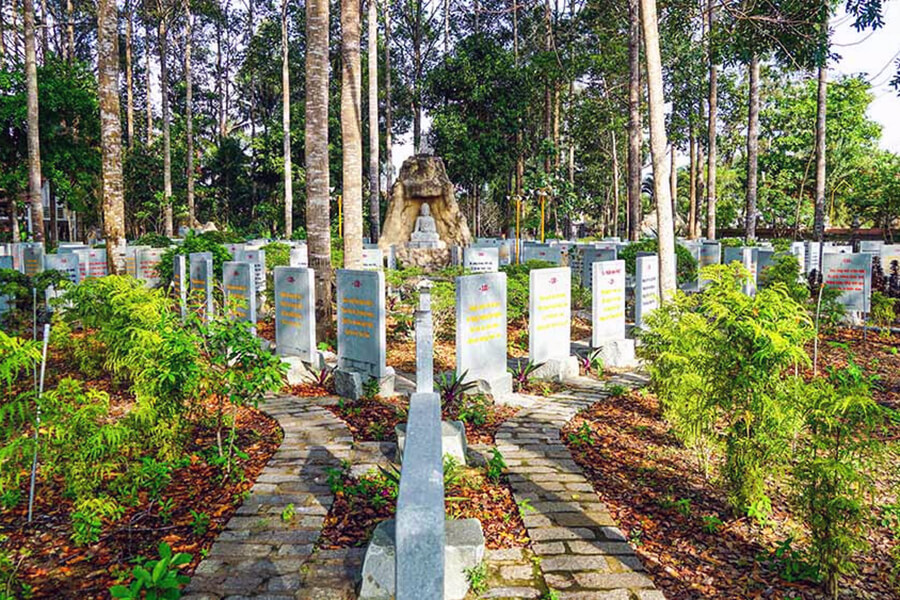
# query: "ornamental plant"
[[725, 367]]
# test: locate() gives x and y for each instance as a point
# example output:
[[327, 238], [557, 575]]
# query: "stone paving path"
[[577, 549], [259, 554], [582, 553]]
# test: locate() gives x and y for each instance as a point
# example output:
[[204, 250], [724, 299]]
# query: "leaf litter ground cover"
[[191, 511], [680, 523]]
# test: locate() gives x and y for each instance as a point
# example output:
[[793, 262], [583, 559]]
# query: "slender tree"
[[351, 133], [388, 106], [129, 73], [162, 38], [317, 179], [820, 219], [693, 231], [711, 153], [70, 30], [634, 120], [189, 111], [656, 100], [111, 134], [2, 36], [374, 170], [34, 144], [752, 148], [286, 124], [148, 81]]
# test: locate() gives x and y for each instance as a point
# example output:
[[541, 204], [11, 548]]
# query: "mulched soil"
[[353, 516], [55, 568], [878, 355], [656, 491], [374, 419], [266, 329]]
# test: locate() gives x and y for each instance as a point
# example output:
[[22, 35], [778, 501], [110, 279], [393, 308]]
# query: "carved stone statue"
[[425, 234]]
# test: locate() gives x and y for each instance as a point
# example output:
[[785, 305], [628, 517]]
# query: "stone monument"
[[423, 219]]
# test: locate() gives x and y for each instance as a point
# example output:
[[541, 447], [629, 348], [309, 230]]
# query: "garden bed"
[[46, 560], [360, 504], [374, 419], [680, 522]]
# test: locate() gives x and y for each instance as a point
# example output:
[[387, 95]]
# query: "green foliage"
[[521, 374], [517, 288], [477, 578], [786, 272], [495, 466], [156, 579], [453, 388], [883, 310], [278, 254], [794, 564], [154, 240], [287, 515], [592, 362], [473, 409], [200, 242], [685, 265], [835, 469], [88, 516], [717, 361], [199, 522]]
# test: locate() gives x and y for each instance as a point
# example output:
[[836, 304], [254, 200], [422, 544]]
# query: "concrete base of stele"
[[557, 369], [453, 440], [352, 384], [499, 387], [464, 549], [618, 354]]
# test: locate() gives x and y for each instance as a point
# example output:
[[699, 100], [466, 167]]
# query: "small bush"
[[685, 265], [202, 242]]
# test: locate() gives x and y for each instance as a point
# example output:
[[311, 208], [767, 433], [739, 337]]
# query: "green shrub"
[[517, 286], [786, 272], [202, 242], [154, 240], [835, 466], [718, 361], [685, 265], [278, 254], [156, 579], [18, 359], [883, 309]]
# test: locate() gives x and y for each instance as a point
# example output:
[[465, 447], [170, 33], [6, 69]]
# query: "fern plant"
[[156, 579]]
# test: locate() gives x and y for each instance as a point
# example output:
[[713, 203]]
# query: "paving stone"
[[502, 593], [574, 563], [543, 548], [608, 581]]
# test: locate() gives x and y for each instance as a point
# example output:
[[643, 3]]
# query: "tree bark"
[[34, 137], [167, 141], [148, 83], [2, 37], [70, 30], [634, 120], [374, 168], [692, 194], [286, 124], [665, 224], [615, 166], [220, 79], [189, 112], [351, 133], [388, 107], [752, 149], [820, 218], [111, 134], [317, 175], [129, 74], [548, 96], [711, 147], [673, 182]]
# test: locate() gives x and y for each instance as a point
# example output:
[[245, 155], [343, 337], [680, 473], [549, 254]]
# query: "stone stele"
[[423, 179]]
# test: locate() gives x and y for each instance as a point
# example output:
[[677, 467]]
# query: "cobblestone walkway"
[[259, 554], [581, 551]]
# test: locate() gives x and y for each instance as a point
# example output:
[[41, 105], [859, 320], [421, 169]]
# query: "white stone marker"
[[32, 258], [798, 249], [180, 281], [372, 258], [257, 258], [544, 252], [589, 256], [890, 253], [67, 263], [608, 315], [646, 288], [299, 256], [750, 261], [295, 322], [147, 262], [482, 260], [97, 262], [361, 335], [550, 323], [239, 286], [200, 289], [481, 332]]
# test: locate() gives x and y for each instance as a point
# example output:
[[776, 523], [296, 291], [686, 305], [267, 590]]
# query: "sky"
[[874, 54]]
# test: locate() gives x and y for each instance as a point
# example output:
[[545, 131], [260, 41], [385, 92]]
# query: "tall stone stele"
[[421, 197]]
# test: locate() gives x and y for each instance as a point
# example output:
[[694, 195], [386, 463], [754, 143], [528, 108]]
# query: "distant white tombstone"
[[646, 291], [372, 259], [851, 274], [550, 323], [299, 256], [481, 331], [239, 286], [148, 261], [543, 252], [482, 259]]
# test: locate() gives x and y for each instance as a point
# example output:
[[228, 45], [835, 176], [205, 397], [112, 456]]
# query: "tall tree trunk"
[[634, 120], [692, 194], [70, 30], [147, 73], [34, 137], [351, 133], [447, 27], [189, 112], [220, 79], [45, 26], [388, 107], [673, 183], [820, 217], [111, 134], [656, 100], [129, 73], [711, 131], [286, 124], [752, 149], [557, 148], [167, 140], [2, 37], [548, 94], [251, 31], [615, 166], [374, 168], [14, 219], [417, 76], [520, 155], [316, 140]]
